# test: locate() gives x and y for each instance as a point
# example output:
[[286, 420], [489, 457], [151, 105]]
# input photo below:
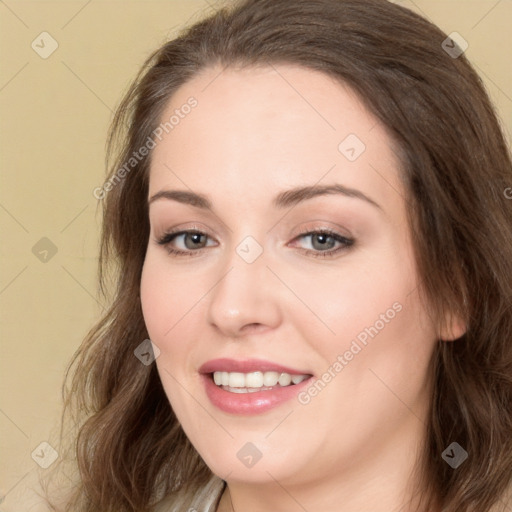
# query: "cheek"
[[158, 298], [375, 317], [171, 307], [161, 309], [360, 298], [151, 298], [382, 356]]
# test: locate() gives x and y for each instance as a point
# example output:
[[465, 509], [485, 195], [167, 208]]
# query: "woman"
[[310, 222]]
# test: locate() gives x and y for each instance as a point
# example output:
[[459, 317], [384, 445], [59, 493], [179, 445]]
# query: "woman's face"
[[257, 285]]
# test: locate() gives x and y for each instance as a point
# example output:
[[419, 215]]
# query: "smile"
[[249, 387], [236, 382]]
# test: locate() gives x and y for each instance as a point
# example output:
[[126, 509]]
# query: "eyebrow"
[[282, 200]]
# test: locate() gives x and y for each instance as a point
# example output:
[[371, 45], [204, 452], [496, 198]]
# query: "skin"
[[254, 133]]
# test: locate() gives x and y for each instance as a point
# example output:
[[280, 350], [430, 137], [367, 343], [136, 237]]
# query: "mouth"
[[254, 382], [251, 386]]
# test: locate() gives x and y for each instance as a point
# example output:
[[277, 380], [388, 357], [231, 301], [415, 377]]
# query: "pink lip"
[[249, 403], [249, 365]]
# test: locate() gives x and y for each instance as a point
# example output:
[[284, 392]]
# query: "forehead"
[[283, 124]]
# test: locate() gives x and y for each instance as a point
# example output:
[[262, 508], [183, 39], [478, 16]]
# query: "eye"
[[192, 239], [322, 242]]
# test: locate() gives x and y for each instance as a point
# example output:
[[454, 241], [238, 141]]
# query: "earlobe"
[[454, 328]]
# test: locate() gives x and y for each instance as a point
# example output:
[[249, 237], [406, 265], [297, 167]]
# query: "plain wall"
[[55, 115]]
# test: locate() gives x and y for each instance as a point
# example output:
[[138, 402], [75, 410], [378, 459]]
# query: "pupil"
[[196, 238]]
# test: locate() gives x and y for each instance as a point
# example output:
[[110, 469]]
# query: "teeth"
[[270, 378], [236, 380], [255, 381], [297, 379], [285, 379]]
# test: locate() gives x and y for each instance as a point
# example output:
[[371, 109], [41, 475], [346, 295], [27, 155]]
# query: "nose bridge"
[[245, 292]]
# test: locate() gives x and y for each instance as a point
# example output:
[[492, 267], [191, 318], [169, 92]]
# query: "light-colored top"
[[26, 496], [206, 500]]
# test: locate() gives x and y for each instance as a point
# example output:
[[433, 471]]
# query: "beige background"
[[55, 115]]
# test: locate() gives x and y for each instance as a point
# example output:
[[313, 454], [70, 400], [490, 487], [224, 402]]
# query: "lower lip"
[[250, 403]]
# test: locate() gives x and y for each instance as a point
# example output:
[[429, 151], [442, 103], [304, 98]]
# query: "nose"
[[245, 299]]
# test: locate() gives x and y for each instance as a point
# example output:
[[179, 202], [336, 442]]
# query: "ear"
[[453, 327]]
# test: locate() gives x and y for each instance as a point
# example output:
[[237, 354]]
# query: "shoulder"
[[204, 500]]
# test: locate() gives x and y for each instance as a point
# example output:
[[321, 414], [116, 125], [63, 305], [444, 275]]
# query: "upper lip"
[[246, 366]]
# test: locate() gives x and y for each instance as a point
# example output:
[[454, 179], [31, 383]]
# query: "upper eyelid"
[[338, 230]]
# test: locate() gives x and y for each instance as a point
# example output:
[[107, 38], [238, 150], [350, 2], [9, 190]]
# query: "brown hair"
[[130, 449]]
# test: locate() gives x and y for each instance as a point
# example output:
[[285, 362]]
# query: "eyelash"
[[167, 238]]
